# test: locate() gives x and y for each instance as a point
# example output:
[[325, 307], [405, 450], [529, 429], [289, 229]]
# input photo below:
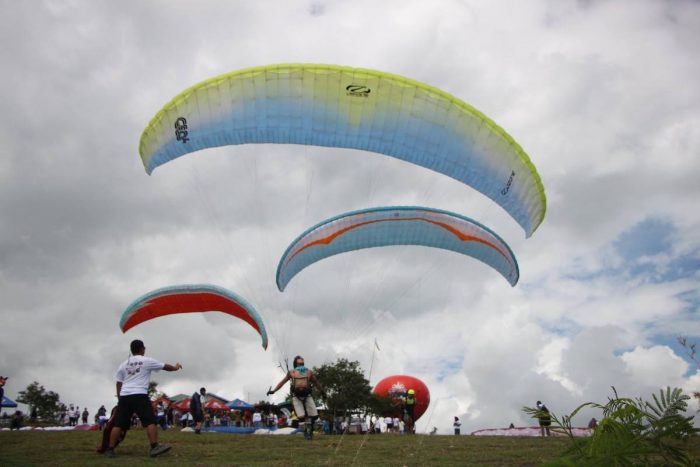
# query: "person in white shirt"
[[160, 416], [133, 377], [257, 420], [388, 424]]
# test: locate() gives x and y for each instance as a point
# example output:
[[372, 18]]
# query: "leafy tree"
[[382, 405], [153, 389], [347, 391], [691, 351], [47, 404], [632, 432]]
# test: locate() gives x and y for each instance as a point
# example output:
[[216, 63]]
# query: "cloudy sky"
[[604, 96]]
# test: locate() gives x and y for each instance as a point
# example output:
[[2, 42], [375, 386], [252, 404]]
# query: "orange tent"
[[182, 406], [215, 404]]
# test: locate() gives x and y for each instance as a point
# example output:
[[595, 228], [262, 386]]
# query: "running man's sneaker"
[[160, 449], [110, 453]]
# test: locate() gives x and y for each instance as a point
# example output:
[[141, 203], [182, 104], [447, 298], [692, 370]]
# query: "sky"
[[604, 96]]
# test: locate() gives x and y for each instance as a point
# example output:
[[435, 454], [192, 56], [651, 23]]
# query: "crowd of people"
[[71, 415], [135, 408]]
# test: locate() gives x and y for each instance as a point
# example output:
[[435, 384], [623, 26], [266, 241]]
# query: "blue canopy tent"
[[238, 404], [7, 402]]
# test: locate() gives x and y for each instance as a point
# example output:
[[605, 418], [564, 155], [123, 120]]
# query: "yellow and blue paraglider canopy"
[[397, 225], [336, 106]]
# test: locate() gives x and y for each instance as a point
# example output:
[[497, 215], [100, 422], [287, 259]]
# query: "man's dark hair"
[[298, 357], [202, 391], [136, 346]]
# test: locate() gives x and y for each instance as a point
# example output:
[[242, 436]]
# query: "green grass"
[[78, 448]]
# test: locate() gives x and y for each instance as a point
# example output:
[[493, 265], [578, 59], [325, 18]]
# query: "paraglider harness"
[[303, 393]]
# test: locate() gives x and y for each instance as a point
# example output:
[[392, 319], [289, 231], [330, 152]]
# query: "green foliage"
[[346, 388], [47, 404], [691, 349], [77, 448], [632, 432], [381, 405]]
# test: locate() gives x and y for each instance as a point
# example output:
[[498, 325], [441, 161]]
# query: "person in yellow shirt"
[[409, 406]]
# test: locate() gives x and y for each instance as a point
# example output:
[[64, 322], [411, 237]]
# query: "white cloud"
[[600, 95], [655, 366]]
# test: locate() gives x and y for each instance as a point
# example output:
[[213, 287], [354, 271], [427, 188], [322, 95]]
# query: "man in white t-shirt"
[[389, 424], [457, 424], [133, 377], [257, 420]]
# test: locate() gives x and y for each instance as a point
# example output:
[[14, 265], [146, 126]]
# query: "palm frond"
[[632, 431]]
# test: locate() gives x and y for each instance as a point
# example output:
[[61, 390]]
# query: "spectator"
[[160, 416], [102, 417], [197, 408], [169, 415], [457, 425], [3, 380], [17, 420], [409, 406], [545, 419], [257, 420]]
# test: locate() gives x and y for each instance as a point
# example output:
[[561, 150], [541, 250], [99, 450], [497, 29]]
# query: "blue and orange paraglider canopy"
[[397, 225]]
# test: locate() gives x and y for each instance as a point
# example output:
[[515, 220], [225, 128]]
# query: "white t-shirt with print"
[[135, 374]]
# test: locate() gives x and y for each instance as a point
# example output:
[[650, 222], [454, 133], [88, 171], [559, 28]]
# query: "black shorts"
[[135, 403], [410, 410], [197, 417]]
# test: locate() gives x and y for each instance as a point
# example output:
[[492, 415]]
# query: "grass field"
[[78, 448]]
